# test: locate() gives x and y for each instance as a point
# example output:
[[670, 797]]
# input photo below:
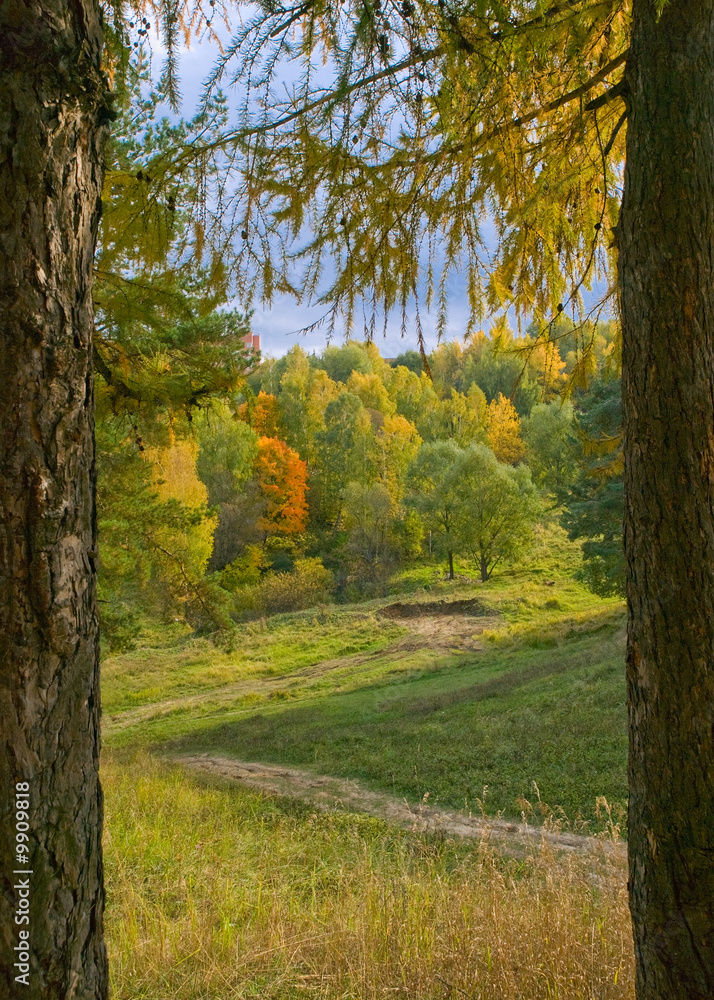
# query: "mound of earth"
[[442, 625], [471, 607]]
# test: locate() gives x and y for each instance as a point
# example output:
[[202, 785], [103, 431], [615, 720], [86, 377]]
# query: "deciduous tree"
[[496, 510], [549, 448], [433, 491], [344, 454], [504, 431], [262, 413], [282, 477], [369, 515]]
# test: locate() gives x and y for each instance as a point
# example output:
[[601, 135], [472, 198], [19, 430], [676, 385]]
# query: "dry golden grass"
[[219, 893]]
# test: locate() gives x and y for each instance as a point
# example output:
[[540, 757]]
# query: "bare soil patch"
[[442, 625], [327, 793], [472, 607]]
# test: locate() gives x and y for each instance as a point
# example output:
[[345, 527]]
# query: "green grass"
[[217, 892], [539, 712], [504, 720], [276, 647]]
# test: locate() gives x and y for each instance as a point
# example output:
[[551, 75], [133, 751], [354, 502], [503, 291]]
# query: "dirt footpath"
[[327, 794]]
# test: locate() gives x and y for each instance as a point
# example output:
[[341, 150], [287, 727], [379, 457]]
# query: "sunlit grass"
[[216, 892], [334, 689], [219, 893]]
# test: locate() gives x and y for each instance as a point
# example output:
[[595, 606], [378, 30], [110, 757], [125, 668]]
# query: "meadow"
[[504, 698], [526, 688]]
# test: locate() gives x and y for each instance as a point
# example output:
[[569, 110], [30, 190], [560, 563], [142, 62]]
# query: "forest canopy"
[[330, 471]]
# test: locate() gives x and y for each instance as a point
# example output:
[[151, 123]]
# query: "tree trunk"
[[52, 103], [484, 570], [451, 565], [666, 271]]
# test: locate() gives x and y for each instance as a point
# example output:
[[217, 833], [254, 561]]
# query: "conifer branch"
[[231, 138], [559, 102], [610, 95]]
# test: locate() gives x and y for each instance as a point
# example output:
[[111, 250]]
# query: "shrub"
[[309, 584]]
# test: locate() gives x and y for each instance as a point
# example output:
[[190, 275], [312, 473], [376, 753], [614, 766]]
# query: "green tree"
[[496, 509], [293, 400], [434, 492], [340, 362], [227, 451], [593, 503], [139, 572], [414, 397], [446, 364], [411, 360], [549, 450], [458, 417], [344, 451], [500, 367], [369, 516]]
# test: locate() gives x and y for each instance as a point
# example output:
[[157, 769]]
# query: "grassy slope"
[[543, 702], [216, 892]]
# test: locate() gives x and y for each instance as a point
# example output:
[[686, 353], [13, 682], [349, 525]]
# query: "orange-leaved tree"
[[282, 476], [262, 413]]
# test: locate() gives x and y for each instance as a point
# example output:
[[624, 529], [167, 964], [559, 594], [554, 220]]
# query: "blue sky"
[[281, 323]]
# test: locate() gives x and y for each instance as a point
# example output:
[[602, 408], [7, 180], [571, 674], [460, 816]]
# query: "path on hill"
[[441, 626], [328, 794]]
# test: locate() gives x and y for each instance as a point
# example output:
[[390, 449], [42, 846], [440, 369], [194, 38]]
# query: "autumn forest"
[[322, 475]]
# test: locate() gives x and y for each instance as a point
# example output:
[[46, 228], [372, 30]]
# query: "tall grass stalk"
[[219, 893]]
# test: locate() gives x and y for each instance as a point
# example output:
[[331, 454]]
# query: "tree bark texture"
[[52, 103], [666, 272]]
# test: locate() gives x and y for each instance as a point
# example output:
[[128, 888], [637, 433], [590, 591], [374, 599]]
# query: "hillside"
[[514, 686]]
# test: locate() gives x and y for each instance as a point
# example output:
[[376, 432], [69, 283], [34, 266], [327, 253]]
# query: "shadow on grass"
[[555, 717]]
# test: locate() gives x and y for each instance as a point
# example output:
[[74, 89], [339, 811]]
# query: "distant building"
[[252, 341]]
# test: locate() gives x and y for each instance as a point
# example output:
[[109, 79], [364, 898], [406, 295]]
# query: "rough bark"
[[52, 103], [666, 244]]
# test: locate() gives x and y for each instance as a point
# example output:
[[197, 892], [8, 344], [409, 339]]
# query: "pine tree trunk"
[[52, 96], [451, 565], [666, 244]]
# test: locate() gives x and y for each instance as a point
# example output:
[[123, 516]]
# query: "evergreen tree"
[[593, 504]]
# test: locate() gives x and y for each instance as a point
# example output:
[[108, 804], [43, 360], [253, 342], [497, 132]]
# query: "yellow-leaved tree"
[[184, 549], [504, 431]]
